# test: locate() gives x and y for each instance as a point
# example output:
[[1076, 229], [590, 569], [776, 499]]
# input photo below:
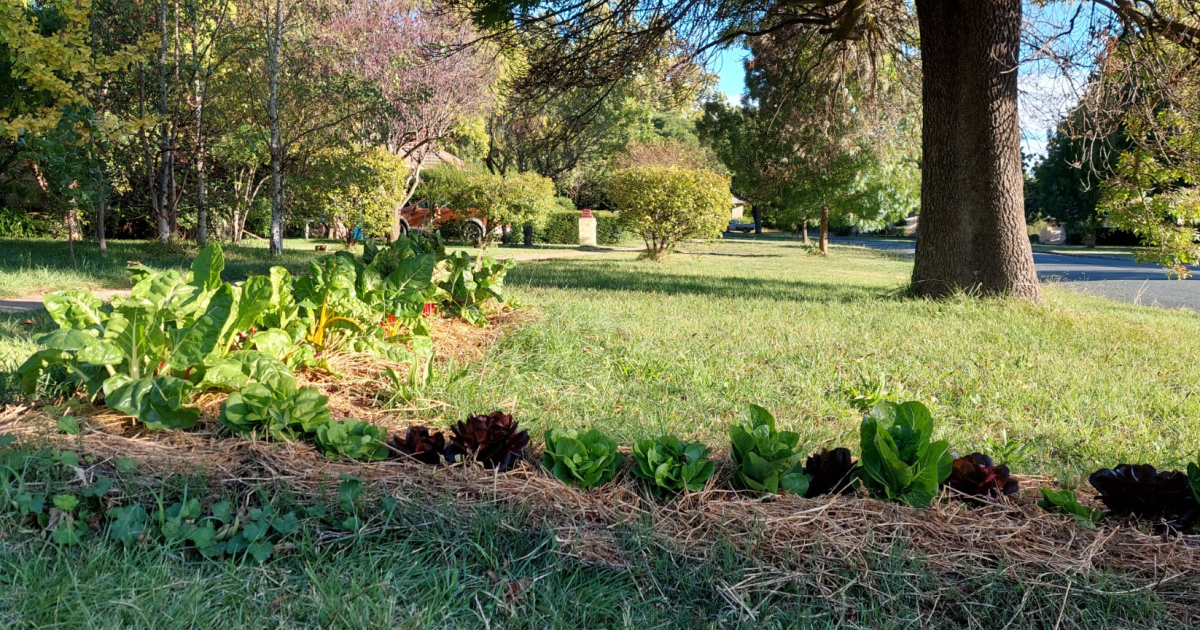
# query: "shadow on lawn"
[[626, 276], [241, 260]]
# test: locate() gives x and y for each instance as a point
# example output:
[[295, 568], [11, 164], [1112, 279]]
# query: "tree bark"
[[101, 206], [757, 214], [824, 242], [972, 236], [276, 235], [167, 154], [804, 230], [199, 84]]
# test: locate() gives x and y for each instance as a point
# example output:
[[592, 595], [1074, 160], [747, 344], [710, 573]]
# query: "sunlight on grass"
[[639, 348]]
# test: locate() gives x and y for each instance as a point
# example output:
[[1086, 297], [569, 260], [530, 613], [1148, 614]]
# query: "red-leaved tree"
[[427, 71]]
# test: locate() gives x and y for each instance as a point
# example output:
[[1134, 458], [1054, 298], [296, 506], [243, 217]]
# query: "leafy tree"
[[972, 232], [351, 189], [666, 205], [48, 62]]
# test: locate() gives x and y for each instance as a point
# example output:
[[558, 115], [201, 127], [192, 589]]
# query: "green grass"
[[638, 348]]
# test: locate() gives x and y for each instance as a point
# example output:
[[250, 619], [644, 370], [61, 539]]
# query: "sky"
[[1046, 95]]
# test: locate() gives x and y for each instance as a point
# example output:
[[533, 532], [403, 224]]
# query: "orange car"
[[419, 216]]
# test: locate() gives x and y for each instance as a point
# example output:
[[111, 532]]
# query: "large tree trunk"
[[276, 235], [757, 214], [804, 230], [972, 234]]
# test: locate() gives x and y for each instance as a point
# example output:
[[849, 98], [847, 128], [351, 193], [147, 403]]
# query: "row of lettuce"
[[179, 335], [899, 461]]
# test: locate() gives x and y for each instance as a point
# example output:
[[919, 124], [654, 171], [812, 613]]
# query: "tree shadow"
[[110, 270], [608, 275]]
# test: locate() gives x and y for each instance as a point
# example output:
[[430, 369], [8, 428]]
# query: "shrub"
[[562, 227], [766, 459], [671, 465], [666, 205], [586, 459], [900, 461]]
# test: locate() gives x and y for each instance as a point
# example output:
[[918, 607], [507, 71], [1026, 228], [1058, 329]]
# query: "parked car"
[[737, 226], [420, 216]]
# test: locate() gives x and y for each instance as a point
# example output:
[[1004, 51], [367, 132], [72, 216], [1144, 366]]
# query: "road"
[[1116, 279]]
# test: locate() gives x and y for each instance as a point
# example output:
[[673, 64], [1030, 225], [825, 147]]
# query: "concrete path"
[[1116, 279]]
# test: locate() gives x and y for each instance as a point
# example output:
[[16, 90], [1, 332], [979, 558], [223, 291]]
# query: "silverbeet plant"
[[767, 460], [585, 459], [900, 460], [670, 465], [492, 440]]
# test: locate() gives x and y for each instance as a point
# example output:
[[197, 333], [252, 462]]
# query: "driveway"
[[1116, 279]]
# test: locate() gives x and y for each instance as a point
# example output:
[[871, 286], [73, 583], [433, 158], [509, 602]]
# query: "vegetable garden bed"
[[819, 540]]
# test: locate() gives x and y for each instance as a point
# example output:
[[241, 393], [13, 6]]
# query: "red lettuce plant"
[[1142, 491], [493, 440], [422, 444], [831, 472], [976, 475]]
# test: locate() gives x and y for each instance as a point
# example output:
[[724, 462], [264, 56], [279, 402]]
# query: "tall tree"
[[426, 71], [972, 232]]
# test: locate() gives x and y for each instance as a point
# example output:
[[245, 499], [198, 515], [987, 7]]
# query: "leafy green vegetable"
[[158, 402], [1064, 501], [830, 471], [422, 444], [494, 440], [900, 461], [1193, 470], [766, 459], [352, 439], [467, 285], [586, 459], [285, 413], [672, 465]]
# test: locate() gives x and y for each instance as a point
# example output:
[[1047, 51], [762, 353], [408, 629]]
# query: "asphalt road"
[[1116, 279]]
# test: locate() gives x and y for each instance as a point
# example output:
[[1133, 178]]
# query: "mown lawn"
[[640, 348]]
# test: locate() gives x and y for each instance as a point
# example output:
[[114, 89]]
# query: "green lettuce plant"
[[671, 465], [285, 413], [586, 459], [1064, 501], [352, 439], [767, 460], [900, 461]]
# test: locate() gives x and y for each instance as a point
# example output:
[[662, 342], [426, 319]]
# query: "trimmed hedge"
[[563, 228]]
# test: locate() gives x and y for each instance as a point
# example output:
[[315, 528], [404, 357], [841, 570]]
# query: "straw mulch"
[[822, 538]]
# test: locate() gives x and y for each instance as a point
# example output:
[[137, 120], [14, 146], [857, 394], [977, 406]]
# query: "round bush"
[[666, 205]]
